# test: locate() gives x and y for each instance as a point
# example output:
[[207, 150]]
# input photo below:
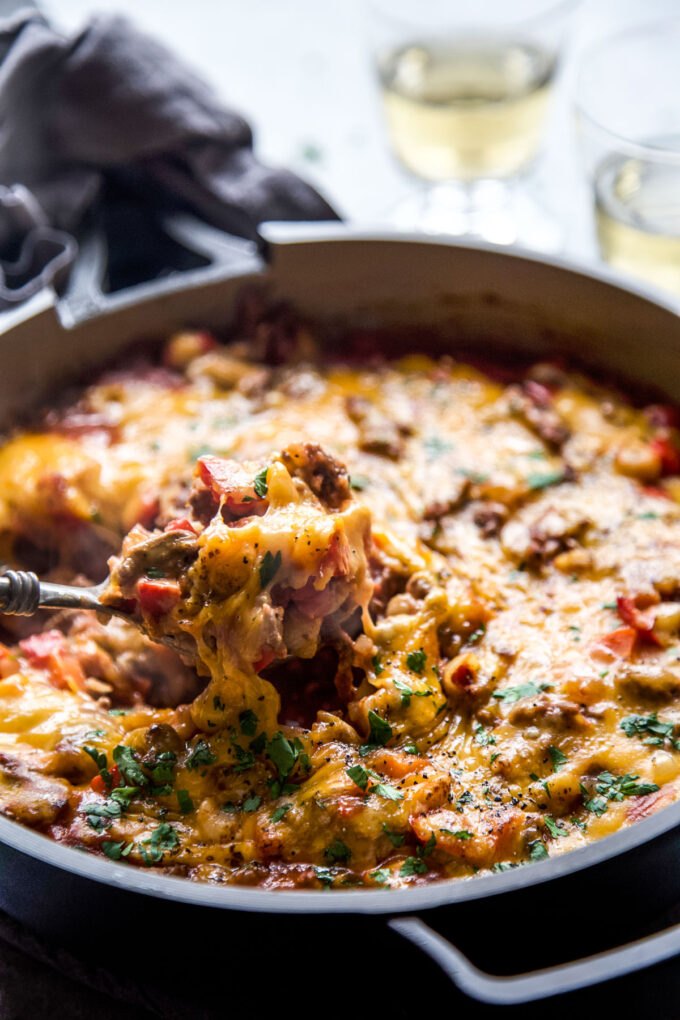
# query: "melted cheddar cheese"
[[491, 677]]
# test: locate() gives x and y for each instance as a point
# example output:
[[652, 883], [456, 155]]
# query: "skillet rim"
[[446, 892]]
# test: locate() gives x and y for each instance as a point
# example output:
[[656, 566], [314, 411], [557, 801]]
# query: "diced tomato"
[[180, 524], [668, 455], [634, 617], [233, 482], [40, 647], [620, 642], [98, 785], [157, 597]]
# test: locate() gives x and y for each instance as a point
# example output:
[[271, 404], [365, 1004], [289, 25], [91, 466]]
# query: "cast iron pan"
[[68, 895]]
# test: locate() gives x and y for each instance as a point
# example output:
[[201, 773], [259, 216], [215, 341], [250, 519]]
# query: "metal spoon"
[[22, 593]]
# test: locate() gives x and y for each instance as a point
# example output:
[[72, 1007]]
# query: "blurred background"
[[304, 74]]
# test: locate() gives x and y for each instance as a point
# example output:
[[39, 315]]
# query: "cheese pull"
[[266, 561]]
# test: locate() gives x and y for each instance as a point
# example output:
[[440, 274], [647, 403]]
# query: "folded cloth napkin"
[[109, 128]]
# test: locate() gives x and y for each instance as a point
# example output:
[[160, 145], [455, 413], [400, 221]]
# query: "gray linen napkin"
[[109, 128]]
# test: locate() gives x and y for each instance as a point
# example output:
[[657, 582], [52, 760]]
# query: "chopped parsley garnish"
[[541, 480], [162, 771], [410, 749], [124, 794], [359, 482], [99, 815], [386, 791], [538, 850], [100, 760], [260, 483], [253, 802], [509, 695], [557, 758], [413, 866], [280, 812], [459, 834], [161, 839], [269, 568], [377, 667], [483, 737], [395, 838], [553, 827], [186, 804], [283, 753], [94, 734], [614, 788], [427, 848], [435, 446], [359, 776], [325, 875], [405, 691], [155, 572], [416, 661], [380, 732], [657, 731], [129, 767], [200, 756], [248, 722], [115, 851], [218, 704], [381, 876], [244, 759], [338, 852]]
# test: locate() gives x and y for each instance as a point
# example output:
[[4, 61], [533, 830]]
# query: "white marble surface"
[[300, 70]]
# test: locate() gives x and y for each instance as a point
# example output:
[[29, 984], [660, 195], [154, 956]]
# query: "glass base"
[[501, 212]]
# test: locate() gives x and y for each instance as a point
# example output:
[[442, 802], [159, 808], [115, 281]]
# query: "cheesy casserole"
[[423, 616]]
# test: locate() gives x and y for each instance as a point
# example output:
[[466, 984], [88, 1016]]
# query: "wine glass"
[[628, 115], [466, 91]]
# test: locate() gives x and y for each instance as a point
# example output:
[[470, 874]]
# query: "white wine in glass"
[[466, 110], [465, 91], [637, 210], [628, 118]]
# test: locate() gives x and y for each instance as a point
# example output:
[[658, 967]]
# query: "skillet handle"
[[540, 984]]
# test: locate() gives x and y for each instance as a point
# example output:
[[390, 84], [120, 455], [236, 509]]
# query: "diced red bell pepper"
[[39, 648], [656, 491], [49, 651], [266, 657], [147, 510], [180, 524], [99, 785], [620, 642], [667, 454], [157, 597], [233, 482], [633, 617]]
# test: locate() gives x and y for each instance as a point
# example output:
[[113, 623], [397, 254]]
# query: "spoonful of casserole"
[[269, 561]]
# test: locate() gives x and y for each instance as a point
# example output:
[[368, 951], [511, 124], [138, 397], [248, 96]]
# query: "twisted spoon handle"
[[22, 593]]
